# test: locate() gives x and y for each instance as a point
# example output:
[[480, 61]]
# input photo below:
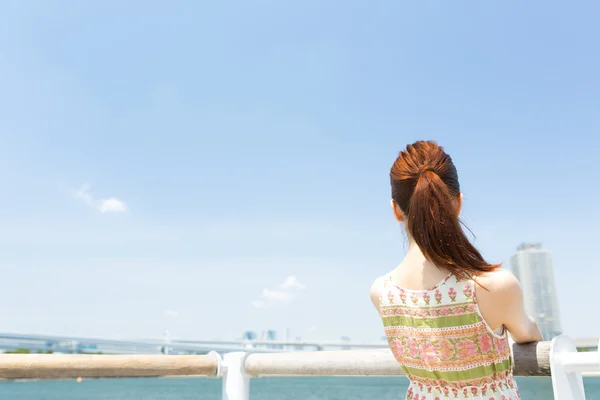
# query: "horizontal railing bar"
[[530, 360], [581, 362], [323, 363], [60, 366]]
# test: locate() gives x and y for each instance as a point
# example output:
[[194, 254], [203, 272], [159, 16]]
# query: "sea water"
[[302, 388]]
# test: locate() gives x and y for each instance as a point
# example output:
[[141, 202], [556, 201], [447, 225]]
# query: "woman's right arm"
[[521, 326], [503, 304]]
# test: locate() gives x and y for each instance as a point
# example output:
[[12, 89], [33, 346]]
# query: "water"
[[363, 388]]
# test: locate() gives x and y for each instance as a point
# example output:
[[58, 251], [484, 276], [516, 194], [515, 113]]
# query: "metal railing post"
[[567, 383], [236, 383]]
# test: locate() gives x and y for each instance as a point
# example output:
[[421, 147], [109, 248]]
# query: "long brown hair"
[[425, 187]]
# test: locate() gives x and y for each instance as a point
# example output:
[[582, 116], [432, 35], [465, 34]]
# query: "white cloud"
[[276, 295], [109, 205], [112, 204], [291, 282], [272, 297]]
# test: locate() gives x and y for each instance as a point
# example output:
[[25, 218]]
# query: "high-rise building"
[[270, 335], [532, 266]]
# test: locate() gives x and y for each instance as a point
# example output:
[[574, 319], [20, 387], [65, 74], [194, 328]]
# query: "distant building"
[[345, 339], [249, 335], [271, 335], [532, 266]]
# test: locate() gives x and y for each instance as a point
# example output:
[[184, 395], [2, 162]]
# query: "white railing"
[[61, 366], [567, 365], [558, 359]]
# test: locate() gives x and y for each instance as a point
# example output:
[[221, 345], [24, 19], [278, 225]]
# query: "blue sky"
[[176, 166]]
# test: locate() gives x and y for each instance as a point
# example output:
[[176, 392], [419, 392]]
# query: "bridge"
[[65, 344], [70, 344]]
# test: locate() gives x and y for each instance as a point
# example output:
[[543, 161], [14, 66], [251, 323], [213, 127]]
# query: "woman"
[[445, 310]]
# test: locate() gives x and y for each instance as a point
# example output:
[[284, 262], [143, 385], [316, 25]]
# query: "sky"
[[212, 167]]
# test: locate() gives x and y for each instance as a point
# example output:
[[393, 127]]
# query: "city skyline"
[[207, 169], [532, 266]]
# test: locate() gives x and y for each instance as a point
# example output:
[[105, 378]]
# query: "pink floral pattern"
[[413, 348], [390, 296], [424, 383], [485, 343], [428, 312], [446, 349], [452, 294], [426, 298], [467, 291], [428, 352], [466, 349], [414, 298], [402, 296], [397, 346], [421, 336]]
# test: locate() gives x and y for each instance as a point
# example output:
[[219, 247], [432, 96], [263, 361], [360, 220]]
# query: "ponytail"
[[425, 187]]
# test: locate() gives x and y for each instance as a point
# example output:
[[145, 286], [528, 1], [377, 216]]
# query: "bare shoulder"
[[499, 282], [376, 289], [499, 297], [501, 303]]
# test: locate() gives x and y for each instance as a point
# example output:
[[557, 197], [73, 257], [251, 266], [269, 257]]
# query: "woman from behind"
[[445, 310]]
